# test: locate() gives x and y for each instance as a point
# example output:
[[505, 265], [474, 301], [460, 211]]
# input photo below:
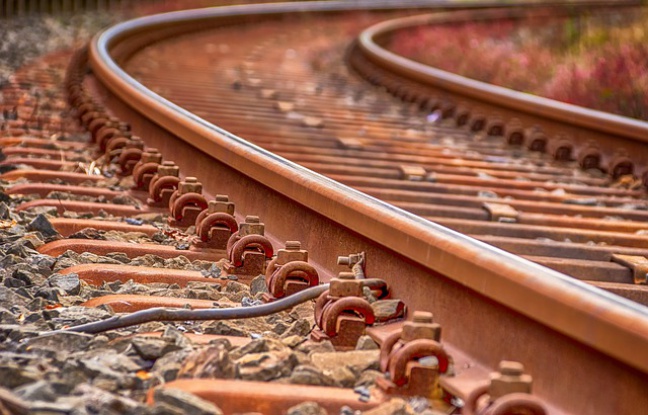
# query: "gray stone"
[[13, 375], [356, 360], [42, 224], [17, 333], [309, 375], [36, 305], [343, 376], [11, 282], [258, 285], [255, 346], [58, 407], [186, 402], [66, 341], [280, 327], [152, 348], [115, 360], [41, 264], [75, 315], [62, 263], [89, 233], [300, 327], [7, 317], [50, 293], [4, 209], [38, 391], [176, 336], [366, 343], [307, 408], [26, 276], [211, 362], [310, 347], [69, 283], [266, 366], [99, 401], [235, 287], [386, 310], [179, 262], [368, 378], [224, 328], [293, 341], [9, 298]]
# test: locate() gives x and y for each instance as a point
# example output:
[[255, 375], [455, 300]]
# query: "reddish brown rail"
[[479, 294], [456, 177], [492, 305]]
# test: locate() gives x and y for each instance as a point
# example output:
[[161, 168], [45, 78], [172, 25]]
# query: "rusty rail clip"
[[499, 212], [342, 313], [638, 265], [401, 354], [186, 203], [216, 224], [248, 249], [508, 391], [289, 272]]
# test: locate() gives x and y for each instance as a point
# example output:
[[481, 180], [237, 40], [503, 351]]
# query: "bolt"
[[345, 285], [421, 326], [346, 276], [221, 204], [189, 185], [351, 260], [291, 252], [509, 379], [252, 226], [355, 262], [422, 317], [151, 155], [168, 168], [509, 368], [293, 245], [135, 142]]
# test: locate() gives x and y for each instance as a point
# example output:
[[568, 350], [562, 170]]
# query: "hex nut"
[[509, 379]]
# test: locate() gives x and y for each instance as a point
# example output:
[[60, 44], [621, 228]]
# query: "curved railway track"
[[255, 102]]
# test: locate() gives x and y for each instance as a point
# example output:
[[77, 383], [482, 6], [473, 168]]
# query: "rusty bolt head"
[[345, 285], [221, 204], [291, 252], [189, 185], [510, 379], [151, 155], [351, 260], [251, 226], [421, 326], [135, 142], [168, 168]]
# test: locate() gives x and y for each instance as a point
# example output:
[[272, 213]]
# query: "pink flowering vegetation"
[[599, 62]]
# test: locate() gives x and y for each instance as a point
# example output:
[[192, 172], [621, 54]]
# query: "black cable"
[[169, 314]]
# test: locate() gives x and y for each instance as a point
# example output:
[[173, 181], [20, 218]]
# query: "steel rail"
[[369, 43], [445, 261]]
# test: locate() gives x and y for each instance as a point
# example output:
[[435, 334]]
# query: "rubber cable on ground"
[[168, 314]]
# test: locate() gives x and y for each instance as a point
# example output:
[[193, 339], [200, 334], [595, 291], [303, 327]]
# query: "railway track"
[[254, 103]]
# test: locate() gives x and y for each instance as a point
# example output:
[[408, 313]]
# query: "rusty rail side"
[[593, 331]]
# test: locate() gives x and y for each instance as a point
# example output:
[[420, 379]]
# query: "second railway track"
[[257, 103]]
